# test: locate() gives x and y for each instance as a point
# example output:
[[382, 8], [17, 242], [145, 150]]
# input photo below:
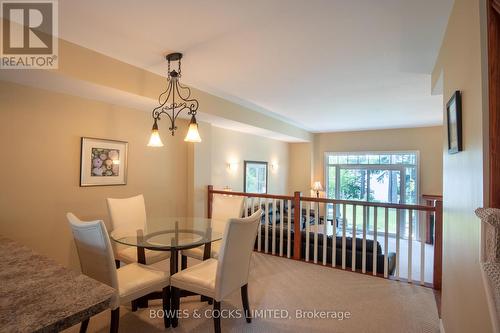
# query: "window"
[[255, 178], [387, 177], [374, 177]]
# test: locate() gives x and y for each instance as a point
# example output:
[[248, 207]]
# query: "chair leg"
[[134, 305], [244, 300], [176, 299], [84, 325], [115, 320], [216, 314], [166, 307], [184, 262], [206, 299], [142, 302], [117, 263]]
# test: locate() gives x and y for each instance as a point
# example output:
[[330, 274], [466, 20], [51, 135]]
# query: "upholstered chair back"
[[235, 254], [128, 214], [225, 207], [95, 252]]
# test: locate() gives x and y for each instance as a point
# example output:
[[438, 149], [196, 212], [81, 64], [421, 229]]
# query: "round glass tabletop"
[[171, 233]]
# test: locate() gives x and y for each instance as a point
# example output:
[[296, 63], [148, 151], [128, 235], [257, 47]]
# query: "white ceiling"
[[324, 65]]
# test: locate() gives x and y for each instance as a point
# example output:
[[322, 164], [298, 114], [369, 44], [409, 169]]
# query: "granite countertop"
[[39, 295]]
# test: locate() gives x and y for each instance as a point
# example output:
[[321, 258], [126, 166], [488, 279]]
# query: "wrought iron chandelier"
[[175, 99]]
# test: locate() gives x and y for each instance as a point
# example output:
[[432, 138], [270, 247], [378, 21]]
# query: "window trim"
[[368, 166], [245, 175]]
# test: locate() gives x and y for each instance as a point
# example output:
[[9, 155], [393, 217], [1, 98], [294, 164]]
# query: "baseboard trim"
[[441, 327]]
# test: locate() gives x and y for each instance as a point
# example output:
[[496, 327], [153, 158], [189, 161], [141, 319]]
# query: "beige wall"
[[40, 142], [426, 140], [235, 147], [464, 305], [301, 166], [200, 171]]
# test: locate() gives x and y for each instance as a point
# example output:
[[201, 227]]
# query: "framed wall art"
[[103, 162], [454, 122]]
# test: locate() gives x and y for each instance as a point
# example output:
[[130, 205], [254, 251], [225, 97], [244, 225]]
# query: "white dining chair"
[[217, 278], [127, 216], [97, 261], [224, 207]]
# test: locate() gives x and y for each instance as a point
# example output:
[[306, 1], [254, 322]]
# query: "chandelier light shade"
[[193, 135], [175, 99], [155, 140]]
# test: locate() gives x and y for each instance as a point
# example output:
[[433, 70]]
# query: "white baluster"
[[397, 242], [273, 248], [422, 252], [386, 243], [282, 221], [316, 227], [325, 235], [353, 239], [363, 251], [308, 220], [245, 206], [299, 220], [344, 226], [334, 236], [288, 231], [410, 245], [259, 235], [266, 228], [375, 247]]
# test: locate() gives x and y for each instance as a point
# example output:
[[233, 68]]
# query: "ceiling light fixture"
[[175, 99]]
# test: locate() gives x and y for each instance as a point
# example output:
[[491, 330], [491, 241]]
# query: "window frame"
[[245, 175], [400, 167]]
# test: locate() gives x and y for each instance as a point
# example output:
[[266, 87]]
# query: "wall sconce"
[[232, 166], [274, 167]]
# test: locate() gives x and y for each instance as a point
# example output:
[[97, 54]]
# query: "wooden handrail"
[[251, 195], [370, 204], [325, 200], [432, 197]]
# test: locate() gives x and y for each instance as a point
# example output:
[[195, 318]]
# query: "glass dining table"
[[171, 234]]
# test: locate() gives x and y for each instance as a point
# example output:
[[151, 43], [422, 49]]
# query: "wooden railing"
[[336, 223]]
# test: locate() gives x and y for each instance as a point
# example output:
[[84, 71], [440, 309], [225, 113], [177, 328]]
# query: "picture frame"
[[255, 175], [103, 162], [454, 122]]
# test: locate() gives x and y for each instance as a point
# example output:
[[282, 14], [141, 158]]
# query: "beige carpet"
[[375, 304]]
